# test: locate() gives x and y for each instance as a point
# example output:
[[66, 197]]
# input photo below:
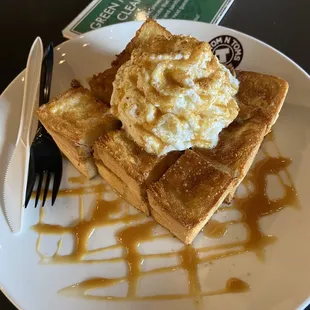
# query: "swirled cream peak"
[[174, 94]]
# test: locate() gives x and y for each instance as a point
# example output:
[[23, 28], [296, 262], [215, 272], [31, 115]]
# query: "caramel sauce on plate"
[[253, 207], [216, 229], [81, 179], [138, 228], [233, 285]]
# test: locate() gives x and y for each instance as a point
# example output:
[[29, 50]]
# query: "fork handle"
[[45, 85], [46, 75]]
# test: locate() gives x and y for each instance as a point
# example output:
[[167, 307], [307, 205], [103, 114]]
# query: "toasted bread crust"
[[76, 114], [122, 188], [75, 119], [260, 99], [237, 146], [189, 193], [149, 29], [130, 163], [133, 160], [101, 83], [190, 187], [79, 155], [260, 96]]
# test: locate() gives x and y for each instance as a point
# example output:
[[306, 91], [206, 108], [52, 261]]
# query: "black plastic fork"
[[45, 157]]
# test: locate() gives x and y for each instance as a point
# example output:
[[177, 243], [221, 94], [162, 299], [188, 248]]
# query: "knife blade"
[[16, 175]]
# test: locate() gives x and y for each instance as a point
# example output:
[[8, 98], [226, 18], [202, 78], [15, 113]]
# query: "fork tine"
[[39, 188], [31, 179], [47, 183], [57, 180]]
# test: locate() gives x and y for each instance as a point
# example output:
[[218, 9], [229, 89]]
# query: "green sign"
[[106, 12]]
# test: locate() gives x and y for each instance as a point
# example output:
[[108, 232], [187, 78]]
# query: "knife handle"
[[32, 80]]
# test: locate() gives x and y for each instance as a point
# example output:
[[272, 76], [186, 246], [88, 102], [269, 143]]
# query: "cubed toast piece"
[[237, 147], [79, 155], [188, 194], [131, 164], [122, 188], [260, 96], [77, 115], [101, 84], [75, 119], [260, 99]]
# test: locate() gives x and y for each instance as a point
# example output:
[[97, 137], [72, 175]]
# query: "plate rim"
[[165, 23]]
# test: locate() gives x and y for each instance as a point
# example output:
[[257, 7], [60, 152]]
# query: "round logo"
[[228, 50]]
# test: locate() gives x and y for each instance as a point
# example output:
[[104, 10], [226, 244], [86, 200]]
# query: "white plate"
[[281, 282]]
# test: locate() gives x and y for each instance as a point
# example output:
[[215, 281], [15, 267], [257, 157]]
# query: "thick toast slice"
[[260, 99], [122, 188], [131, 164], [260, 96], [188, 194], [79, 155], [101, 84], [237, 147], [75, 119]]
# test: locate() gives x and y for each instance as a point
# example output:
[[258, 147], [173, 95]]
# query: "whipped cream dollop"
[[174, 94]]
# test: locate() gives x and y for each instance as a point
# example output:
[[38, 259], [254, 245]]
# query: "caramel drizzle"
[[139, 229], [252, 208], [233, 285]]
